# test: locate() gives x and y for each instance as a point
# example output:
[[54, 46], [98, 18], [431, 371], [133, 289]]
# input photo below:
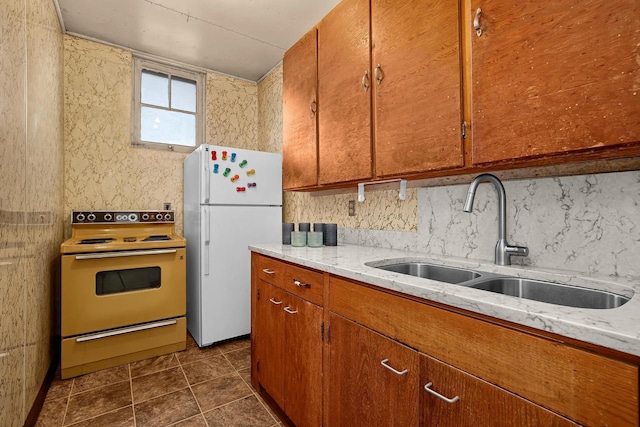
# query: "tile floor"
[[192, 388]]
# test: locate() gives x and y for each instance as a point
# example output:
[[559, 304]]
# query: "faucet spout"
[[503, 251]]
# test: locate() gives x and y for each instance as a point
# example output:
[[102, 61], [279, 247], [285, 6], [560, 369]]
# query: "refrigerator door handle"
[[207, 236], [206, 176]]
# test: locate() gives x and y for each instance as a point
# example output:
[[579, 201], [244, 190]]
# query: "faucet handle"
[[517, 250]]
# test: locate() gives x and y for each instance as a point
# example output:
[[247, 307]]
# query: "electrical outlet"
[[352, 208]]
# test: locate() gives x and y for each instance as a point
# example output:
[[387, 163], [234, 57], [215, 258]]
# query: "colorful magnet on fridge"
[[243, 163], [214, 156], [251, 185], [226, 172], [235, 178], [224, 155], [233, 157], [251, 172], [240, 189], [215, 168]]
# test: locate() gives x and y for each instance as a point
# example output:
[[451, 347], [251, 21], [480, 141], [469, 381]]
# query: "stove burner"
[[157, 237], [95, 241]]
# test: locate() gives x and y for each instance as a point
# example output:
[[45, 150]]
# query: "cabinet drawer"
[[474, 402], [588, 388], [271, 270], [304, 283]]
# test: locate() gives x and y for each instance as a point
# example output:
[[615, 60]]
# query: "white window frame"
[[140, 64]]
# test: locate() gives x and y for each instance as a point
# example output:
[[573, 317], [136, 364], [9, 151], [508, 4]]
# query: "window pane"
[[155, 88], [183, 94], [127, 280], [170, 127]]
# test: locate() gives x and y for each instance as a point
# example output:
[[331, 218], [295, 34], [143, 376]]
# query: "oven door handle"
[[122, 331], [126, 253]]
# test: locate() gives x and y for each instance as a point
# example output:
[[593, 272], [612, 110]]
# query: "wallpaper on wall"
[[102, 169], [31, 151], [270, 111]]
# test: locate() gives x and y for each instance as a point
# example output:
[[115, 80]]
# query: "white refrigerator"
[[232, 198]]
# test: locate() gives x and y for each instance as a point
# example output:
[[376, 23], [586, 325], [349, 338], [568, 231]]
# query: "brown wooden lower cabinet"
[[288, 336], [450, 397], [381, 350], [373, 381]]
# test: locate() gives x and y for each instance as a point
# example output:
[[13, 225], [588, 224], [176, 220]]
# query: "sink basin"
[[553, 293], [433, 272]]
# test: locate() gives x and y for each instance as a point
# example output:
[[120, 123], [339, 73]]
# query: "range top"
[[109, 231]]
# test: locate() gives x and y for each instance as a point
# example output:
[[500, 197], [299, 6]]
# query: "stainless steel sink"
[[553, 293], [433, 272]]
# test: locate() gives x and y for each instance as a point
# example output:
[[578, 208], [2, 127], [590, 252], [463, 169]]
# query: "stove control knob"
[[167, 217], [91, 217], [145, 216], [159, 216], [108, 217], [133, 217], [80, 217]]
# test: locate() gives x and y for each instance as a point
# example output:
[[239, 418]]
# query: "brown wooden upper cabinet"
[[416, 86], [553, 77], [344, 94], [299, 108]]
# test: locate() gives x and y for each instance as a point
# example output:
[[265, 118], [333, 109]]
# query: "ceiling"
[[243, 38]]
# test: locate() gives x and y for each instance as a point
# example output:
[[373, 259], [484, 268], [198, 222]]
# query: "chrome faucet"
[[504, 251]]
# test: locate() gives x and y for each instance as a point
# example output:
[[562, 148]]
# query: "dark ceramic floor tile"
[[240, 359], [90, 404], [154, 364], [100, 378], [52, 413], [219, 391], [245, 412], [194, 353], [197, 421], [123, 417], [233, 345], [167, 409], [157, 384], [246, 375], [59, 389], [207, 369]]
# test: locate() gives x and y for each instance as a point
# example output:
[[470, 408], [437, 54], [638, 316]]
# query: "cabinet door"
[[416, 45], [270, 339], [554, 77], [364, 390], [344, 106], [473, 402], [303, 362], [299, 108]]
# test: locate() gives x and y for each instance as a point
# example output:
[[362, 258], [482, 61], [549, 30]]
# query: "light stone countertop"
[[617, 328]]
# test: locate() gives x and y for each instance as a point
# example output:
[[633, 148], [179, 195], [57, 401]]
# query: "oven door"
[[113, 289]]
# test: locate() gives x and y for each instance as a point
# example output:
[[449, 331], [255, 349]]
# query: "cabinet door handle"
[[476, 22], [378, 73], [273, 301], [384, 363], [300, 284], [313, 107], [365, 81], [266, 270], [288, 310], [435, 393]]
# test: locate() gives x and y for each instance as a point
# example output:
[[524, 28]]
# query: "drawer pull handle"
[[435, 393], [273, 301], [476, 22], [384, 363], [378, 73], [126, 254], [300, 284], [288, 310], [128, 330], [266, 270]]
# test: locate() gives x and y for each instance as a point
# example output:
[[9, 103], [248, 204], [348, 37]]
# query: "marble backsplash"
[[585, 223]]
